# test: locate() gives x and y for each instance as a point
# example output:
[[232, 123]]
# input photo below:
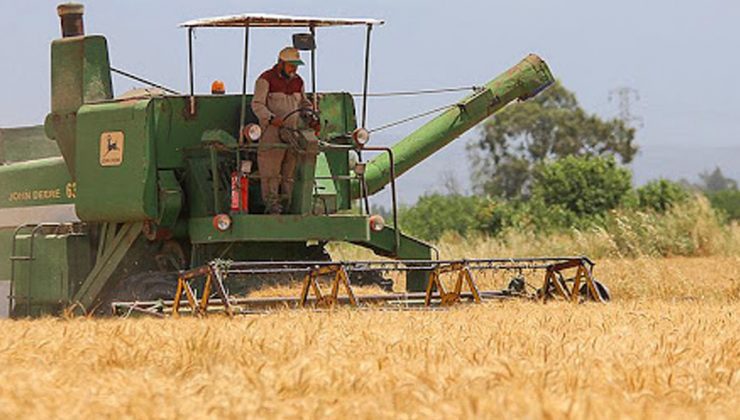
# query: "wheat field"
[[669, 345]]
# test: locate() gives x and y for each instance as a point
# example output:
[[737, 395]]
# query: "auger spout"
[[525, 80]]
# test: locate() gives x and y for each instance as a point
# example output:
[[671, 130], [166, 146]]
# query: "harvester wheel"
[[146, 286], [601, 288], [517, 285], [369, 278]]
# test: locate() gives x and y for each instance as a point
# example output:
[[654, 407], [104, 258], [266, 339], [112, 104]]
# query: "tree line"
[[548, 165]]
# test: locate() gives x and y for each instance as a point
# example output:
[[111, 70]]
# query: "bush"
[[727, 202], [585, 204], [585, 186], [689, 228], [661, 195], [435, 214], [536, 216]]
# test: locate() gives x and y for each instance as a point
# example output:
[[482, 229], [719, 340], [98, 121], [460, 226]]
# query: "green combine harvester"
[[154, 196]]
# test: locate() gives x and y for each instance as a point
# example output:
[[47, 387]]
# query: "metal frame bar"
[[30, 257], [13, 258], [460, 269], [191, 71], [310, 284], [452, 297], [533, 263], [245, 69], [314, 97], [115, 250], [363, 187], [363, 190], [394, 197], [366, 77], [213, 280], [243, 111], [215, 185]]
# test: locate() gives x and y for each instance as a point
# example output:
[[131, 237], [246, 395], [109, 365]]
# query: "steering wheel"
[[295, 137], [314, 115]]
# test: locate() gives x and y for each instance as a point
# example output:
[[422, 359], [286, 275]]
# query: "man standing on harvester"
[[278, 92]]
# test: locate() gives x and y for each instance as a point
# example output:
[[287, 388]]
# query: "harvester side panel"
[[42, 182], [20, 144], [46, 270], [116, 170], [177, 130], [337, 119]]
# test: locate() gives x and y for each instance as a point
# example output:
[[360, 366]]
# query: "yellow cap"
[[291, 55]]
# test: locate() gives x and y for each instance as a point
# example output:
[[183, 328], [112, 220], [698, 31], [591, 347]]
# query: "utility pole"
[[625, 96]]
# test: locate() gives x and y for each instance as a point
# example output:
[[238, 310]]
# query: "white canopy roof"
[[264, 20]]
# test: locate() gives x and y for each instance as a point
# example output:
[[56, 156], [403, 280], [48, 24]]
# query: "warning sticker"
[[111, 148]]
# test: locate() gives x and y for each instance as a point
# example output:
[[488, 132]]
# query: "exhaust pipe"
[[71, 17]]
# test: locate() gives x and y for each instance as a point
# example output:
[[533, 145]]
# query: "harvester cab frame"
[[301, 41], [248, 133]]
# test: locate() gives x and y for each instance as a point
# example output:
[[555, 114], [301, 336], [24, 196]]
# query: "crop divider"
[[452, 297], [213, 281], [311, 284], [554, 281]]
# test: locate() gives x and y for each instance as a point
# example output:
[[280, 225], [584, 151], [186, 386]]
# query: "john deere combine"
[[155, 196]]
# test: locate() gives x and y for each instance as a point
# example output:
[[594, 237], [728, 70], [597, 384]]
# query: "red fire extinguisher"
[[239, 192], [244, 189], [235, 191]]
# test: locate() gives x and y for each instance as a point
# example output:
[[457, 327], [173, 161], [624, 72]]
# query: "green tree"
[[551, 126], [716, 181], [585, 186]]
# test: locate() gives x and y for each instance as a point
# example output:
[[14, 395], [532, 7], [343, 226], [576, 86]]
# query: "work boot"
[[285, 202], [274, 208]]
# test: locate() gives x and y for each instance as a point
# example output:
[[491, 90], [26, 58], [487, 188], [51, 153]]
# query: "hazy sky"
[[680, 56]]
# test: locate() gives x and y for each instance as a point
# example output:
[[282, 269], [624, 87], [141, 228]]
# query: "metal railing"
[[357, 175], [13, 297]]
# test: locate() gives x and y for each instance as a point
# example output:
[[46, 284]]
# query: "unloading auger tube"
[[525, 80], [449, 282]]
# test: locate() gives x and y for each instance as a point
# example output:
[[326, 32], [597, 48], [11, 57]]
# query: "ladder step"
[[21, 258]]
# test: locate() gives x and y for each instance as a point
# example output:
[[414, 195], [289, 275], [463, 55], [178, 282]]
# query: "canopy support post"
[[367, 75], [243, 112], [314, 97], [245, 64], [366, 78], [190, 71]]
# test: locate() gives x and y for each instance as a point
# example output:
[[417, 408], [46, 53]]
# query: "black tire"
[[601, 288], [142, 287], [369, 278], [517, 285]]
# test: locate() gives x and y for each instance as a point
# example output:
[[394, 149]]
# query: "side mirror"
[[304, 42]]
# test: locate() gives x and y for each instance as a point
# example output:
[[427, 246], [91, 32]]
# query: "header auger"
[[154, 191]]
